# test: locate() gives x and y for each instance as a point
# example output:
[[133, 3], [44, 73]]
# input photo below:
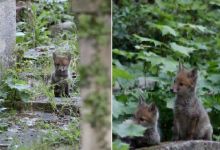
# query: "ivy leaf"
[[121, 73], [117, 108], [123, 53], [217, 106], [165, 30], [118, 145], [130, 107], [128, 128], [181, 49], [215, 3], [195, 27], [19, 85], [145, 39], [168, 63], [170, 103]]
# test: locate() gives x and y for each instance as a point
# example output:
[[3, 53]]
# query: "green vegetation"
[[149, 39], [28, 79]]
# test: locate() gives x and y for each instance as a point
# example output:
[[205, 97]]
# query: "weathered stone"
[[73, 104], [141, 82], [145, 83], [64, 26], [186, 145], [25, 128], [7, 33], [38, 52]]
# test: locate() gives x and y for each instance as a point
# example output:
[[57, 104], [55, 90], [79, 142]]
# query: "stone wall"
[[7, 33]]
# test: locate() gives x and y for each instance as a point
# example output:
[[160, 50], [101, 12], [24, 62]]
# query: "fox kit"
[[61, 75], [191, 121], [147, 116]]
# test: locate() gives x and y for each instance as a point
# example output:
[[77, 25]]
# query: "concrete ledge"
[[186, 145], [67, 107]]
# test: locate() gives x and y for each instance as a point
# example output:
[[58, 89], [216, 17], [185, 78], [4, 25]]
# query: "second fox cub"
[[61, 75], [191, 120], [147, 116]]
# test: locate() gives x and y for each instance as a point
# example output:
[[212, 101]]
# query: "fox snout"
[[62, 69], [173, 89]]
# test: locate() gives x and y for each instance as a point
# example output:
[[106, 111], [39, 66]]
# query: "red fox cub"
[[191, 121], [147, 116], [61, 74]]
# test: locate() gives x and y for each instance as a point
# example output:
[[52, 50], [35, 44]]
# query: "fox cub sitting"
[[147, 116], [61, 74], [191, 121]]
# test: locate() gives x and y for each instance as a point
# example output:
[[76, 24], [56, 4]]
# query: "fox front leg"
[[192, 128], [176, 134], [57, 91], [67, 90]]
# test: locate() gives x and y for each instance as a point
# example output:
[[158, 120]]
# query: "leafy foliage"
[[28, 79], [148, 41]]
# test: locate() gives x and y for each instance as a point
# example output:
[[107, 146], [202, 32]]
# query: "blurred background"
[[31, 117]]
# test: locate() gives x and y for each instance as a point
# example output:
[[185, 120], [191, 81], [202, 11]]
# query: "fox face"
[[185, 81], [61, 64], [146, 115]]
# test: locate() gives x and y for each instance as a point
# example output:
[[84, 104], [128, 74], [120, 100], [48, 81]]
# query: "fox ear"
[[193, 74], [54, 56], [181, 67], [141, 101], [152, 107]]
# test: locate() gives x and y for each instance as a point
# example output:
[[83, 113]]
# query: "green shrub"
[[149, 40]]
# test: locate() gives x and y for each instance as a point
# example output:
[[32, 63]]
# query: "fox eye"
[[141, 119], [181, 84]]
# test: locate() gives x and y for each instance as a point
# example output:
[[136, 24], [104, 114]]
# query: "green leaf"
[[19, 85], [199, 28], [170, 103], [130, 107], [145, 39], [20, 34], [165, 30], [19, 37], [215, 3], [217, 106], [117, 108], [4, 126], [118, 145], [181, 49], [128, 128], [168, 63], [121, 73], [123, 53]]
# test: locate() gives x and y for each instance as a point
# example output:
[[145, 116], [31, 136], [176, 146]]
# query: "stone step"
[[64, 105], [24, 127]]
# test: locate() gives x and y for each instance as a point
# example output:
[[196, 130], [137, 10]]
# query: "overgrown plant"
[[29, 78], [162, 34]]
